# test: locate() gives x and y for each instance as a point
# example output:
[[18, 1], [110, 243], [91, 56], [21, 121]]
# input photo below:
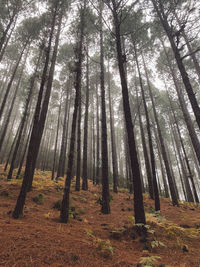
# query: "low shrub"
[[39, 199]]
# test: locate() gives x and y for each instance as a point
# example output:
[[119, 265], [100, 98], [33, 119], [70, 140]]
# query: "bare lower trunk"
[[138, 197]]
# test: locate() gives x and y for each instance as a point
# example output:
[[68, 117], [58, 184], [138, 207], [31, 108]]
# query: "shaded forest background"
[[106, 91]]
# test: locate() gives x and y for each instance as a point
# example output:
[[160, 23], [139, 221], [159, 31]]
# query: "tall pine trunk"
[[113, 138], [146, 157], [64, 214], [105, 208], [11, 81], [85, 142], [56, 143], [24, 118], [39, 116], [138, 197], [162, 144], [62, 157], [159, 8], [78, 162], [186, 115], [7, 119]]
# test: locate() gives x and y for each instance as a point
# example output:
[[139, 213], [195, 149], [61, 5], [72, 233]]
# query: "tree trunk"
[[138, 197], [153, 166], [160, 159], [78, 162], [98, 140], [105, 208], [2, 51], [24, 118], [146, 157], [5, 32], [11, 82], [186, 115], [191, 95], [56, 143], [192, 55], [11, 149], [186, 181], [176, 157], [8, 139], [24, 152], [162, 144], [62, 158], [113, 139], [7, 120], [64, 214], [39, 118], [94, 145], [85, 142]]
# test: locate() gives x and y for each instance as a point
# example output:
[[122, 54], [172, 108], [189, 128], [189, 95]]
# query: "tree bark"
[[39, 117], [159, 8], [146, 157], [62, 157], [64, 214], [138, 197], [186, 115], [113, 139], [24, 118], [85, 142], [56, 143], [11, 81], [7, 119], [78, 162], [105, 207], [162, 144]]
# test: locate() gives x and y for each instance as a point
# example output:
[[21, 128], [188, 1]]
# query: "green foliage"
[[155, 214], [117, 233], [82, 199], [66, 53], [89, 232], [81, 211], [155, 243], [57, 204], [47, 215], [73, 213], [39, 199], [105, 246], [29, 29], [131, 220], [149, 261]]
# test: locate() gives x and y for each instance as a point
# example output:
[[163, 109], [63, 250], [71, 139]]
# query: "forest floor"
[[91, 238]]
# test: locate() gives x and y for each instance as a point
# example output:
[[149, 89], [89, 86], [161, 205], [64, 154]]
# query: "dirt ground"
[[91, 238]]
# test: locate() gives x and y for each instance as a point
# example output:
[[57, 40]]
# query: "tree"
[[40, 111], [64, 214], [138, 198], [105, 208], [174, 39], [113, 138]]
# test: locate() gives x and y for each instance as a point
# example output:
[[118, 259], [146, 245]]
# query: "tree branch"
[[195, 51]]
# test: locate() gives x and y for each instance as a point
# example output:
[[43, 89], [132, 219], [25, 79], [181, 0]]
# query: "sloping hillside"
[[91, 238]]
